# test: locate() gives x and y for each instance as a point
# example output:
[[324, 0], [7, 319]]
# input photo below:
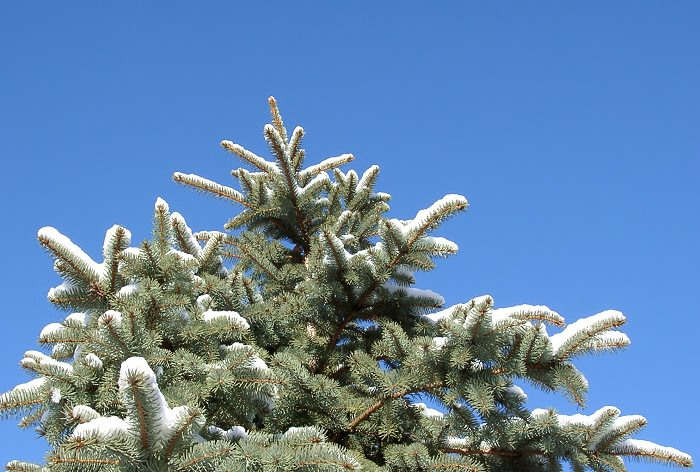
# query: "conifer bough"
[[295, 341]]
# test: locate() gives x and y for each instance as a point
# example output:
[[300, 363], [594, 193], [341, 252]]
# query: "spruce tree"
[[296, 341]]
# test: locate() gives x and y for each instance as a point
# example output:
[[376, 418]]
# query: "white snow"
[[259, 364], [111, 233], [252, 158], [31, 385], [456, 442], [442, 314], [403, 271], [50, 330], [102, 428], [318, 180], [381, 196], [517, 391], [204, 301], [110, 317], [610, 338], [186, 257], [366, 175], [161, 204], [93, 361], [298, 429], [51, 235], [648, 448], [77, 352], [77, 317], [408, 226], [590, 420], [436, 298], [56, 395], [185, 315], [166, 416], [608, 317], [231, 316], [237, 432], [136, 365], [129, 289], [132, 251], [439, 342], [526, 312], [427, 411], [325, 164], [84, 413], [34, 359], [54, 292], [176, 218], [449, 246], [256, 362]]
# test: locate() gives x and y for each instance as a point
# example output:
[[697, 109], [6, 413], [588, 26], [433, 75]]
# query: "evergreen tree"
[[309, 349]]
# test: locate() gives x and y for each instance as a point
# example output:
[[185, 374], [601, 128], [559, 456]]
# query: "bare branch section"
[[277, 118]]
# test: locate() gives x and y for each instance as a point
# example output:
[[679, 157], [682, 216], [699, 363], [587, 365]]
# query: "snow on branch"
[[368, 177], [64, 249], [115, 234], [250, 157], [209, 186], [608, 432], [435, 299], [101, 428], [231, 317], [591, 333], [326, 164], [278, 145], [313, 186], [254, 362], [528, 313], [184, 236], [651, 451], [19, 466], [430, 218], [110, 318], [50, 331], [236, 432], [149, 413], [428, 412], [43, 364]]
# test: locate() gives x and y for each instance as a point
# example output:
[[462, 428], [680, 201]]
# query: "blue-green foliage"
[[296, 341]]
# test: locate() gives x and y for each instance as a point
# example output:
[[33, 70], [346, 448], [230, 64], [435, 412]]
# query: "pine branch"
[[277, 118], [273, 137], [250, 157], [209, 186], [326, 164], [494, 452], [380, 403]]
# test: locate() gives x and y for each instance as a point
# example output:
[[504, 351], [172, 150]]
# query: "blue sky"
[[572, 127]]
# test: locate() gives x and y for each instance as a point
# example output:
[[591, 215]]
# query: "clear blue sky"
[[572, 127]]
